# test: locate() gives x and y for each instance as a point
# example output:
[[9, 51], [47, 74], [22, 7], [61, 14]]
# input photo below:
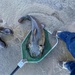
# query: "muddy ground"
[[55, 14]]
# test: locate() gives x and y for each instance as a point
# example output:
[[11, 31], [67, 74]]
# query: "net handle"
[[19, 65]]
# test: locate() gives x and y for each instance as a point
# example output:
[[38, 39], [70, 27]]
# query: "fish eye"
[[7, 30], [41, 45]]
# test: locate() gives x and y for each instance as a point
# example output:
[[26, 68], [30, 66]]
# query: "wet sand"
[[55, 14]]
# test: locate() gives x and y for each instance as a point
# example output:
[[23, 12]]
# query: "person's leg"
[[69, 39], [70, 65], [70, 42], [73, 72], [71, 48], [63, 35]]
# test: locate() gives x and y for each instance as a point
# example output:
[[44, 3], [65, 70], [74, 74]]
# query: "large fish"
[[37, 38]]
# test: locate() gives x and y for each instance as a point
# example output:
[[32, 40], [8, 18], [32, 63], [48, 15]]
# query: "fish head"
[[35, 50]]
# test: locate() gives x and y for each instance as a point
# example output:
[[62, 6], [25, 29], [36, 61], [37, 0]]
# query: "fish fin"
[[1, 28], [43, 25], [35, 31], [2, 43]]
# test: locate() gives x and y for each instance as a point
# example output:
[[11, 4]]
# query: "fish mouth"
[[35, 51], [33, 55]]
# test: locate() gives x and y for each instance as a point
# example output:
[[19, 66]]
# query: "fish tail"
[[22, 19]]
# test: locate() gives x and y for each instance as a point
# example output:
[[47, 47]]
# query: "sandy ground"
[[55, 14]]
